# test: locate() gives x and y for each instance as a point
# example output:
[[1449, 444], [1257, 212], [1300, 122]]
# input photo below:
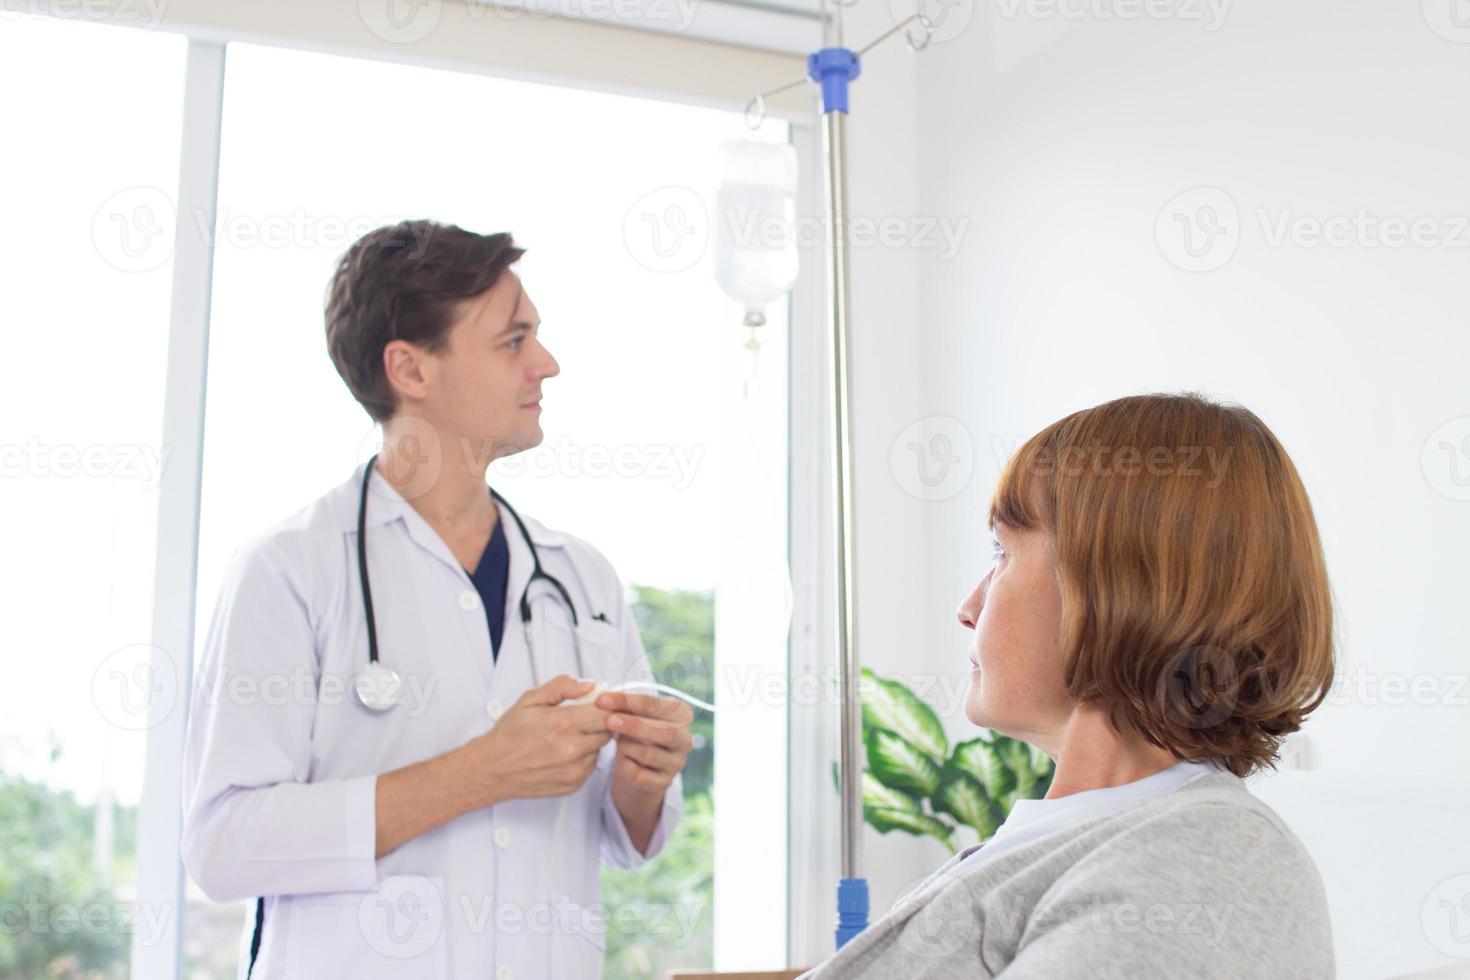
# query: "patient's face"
[[1016, 679]]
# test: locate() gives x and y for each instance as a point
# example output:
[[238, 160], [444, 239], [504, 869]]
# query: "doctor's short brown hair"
[[404, 282], [1195, 600]]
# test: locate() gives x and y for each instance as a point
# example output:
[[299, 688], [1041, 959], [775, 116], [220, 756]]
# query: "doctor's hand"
[[541, 747], [653, 743]]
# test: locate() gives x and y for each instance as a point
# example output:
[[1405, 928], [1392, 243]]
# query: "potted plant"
[[915, 782]]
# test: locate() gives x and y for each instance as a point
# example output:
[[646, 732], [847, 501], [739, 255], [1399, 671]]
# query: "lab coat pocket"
[[602, 653], [396, 931], [600, 645], [580, 955], [581, 942]]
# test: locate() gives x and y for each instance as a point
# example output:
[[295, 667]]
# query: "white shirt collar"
[[385, 503], [1026, 812]]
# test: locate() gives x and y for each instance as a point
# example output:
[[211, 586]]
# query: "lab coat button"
[[469, 600], [503, 973], [493, 708], [502, 837]]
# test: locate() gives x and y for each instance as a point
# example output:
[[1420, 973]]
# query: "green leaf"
[[961, 796], [1016, 755], [979, 757], [1021, 757], [885, 819], [896, 763], [891, 706], [1034, 787], [875, 794]]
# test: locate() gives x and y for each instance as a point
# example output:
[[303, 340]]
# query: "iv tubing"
[[665, 689]]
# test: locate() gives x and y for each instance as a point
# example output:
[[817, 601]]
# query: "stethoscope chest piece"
[[378, 687]]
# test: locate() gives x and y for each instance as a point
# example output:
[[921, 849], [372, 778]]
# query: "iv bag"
[[755, 250]]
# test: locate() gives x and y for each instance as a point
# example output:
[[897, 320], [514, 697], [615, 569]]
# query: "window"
[[87, 249], [665, 443]]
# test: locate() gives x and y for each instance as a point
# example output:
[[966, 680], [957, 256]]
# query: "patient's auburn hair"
[[1195, 601]]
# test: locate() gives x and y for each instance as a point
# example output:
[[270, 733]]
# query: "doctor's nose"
[[969, 611], [546, 365]]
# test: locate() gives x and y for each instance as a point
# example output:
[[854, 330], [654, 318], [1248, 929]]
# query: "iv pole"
[[833, 67]]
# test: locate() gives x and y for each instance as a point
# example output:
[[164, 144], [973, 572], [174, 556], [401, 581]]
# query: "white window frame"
[[209, 28], [813, 806], [160, 814]]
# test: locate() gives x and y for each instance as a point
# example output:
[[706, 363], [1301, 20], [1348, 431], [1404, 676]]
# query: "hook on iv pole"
[[756, 109]]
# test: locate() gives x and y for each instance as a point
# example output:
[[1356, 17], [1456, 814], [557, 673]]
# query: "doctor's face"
[[1017, 686], [489, 373]]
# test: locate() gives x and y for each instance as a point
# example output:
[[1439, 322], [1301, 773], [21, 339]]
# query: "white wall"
[[1063, 141]]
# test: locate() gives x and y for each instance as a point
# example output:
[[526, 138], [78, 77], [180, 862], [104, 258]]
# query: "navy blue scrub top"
[[491, 579]]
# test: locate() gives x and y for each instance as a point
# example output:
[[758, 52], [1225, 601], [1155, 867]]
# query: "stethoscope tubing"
[[537, 572]]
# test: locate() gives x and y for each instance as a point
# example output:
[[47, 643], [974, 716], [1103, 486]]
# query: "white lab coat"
[[281, 762]]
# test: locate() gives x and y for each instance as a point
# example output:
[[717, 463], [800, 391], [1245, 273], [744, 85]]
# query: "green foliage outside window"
[[672, 896], [62, 918]]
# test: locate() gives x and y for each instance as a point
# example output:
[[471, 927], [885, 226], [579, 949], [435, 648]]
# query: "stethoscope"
[[380, 687]]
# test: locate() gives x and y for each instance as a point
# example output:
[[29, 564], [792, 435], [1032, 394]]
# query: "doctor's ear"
[[409, 369]]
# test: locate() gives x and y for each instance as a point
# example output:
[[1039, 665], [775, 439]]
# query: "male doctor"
[[453, 827]]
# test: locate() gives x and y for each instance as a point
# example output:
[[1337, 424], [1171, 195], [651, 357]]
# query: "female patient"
[[1156, 619]]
